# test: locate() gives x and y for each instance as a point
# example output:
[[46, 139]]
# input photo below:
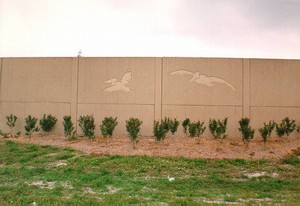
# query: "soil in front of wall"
[[174, 146]]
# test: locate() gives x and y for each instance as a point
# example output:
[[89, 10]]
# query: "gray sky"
[[196, 28]]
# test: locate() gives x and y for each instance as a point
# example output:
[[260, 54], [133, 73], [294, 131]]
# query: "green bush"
[[196, 129], [174, 123], [48, 122], [11, 121], [218, 128], [87, 125], [166, 123], [69, 129], [30, 125], [170, 124], [108, 125], [133, 128], [286, 127], [159, 130], [266, 130], [185, 125], [245, 129], [298, 129]]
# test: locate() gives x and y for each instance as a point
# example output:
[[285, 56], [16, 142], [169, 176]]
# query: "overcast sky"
[[196, 28]]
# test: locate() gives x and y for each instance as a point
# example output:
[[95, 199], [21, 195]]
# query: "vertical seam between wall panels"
[[77, 83], [155, 90], [1, 59], [161, 87], [1, 67], [249, 83], [243, 88]]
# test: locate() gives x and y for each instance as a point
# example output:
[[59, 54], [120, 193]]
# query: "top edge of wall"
[[164, 57]]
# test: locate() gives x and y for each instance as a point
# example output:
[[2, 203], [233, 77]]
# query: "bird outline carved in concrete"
[[198, 78], [116, 85]]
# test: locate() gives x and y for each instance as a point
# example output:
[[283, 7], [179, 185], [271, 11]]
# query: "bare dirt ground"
[[174, 146]]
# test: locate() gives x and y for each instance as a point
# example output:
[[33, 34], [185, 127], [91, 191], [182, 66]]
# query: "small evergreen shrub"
[[196, 129], [245, 129], [185, 125], [166, 123], [159, 130], [133, 128], [266, 130], [173, 125], [30, 125], [298, 129], [87, 125], [108, 125], [170, 124], [218, 128], [69, 129], [47, 122], [286, 127]]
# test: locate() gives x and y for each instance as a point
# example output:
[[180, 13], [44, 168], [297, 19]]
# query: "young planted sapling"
[[218, 128], [30, 125]]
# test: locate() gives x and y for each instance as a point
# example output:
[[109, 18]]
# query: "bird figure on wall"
[[209, 81], [117, 85]]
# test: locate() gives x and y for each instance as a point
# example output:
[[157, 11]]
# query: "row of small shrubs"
[[160, 128], [86, 123], [284, 128], [47, 123]]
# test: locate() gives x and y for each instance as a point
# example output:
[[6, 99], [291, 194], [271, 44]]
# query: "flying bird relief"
[[209, 81], [116, 85]]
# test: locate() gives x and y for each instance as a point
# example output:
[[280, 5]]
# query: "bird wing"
[[222, 81], [117, 87], [126, 78], [182, 72], [111, 81]]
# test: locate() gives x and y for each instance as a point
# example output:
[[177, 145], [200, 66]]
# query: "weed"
[[218, 128], [286, 127], [48, 122], [69, 130], [133, 128], [266, 130], [30, 125], [108, 126], [87, 125], [245, 129]]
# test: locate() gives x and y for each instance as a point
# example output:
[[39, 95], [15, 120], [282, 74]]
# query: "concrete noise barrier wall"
[[150, 89]]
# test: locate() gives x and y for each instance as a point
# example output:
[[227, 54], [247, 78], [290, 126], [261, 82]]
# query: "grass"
[[54, 176]]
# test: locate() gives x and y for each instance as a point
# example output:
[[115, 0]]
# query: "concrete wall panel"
[[22, 110], [96, 73], [36, 80], [122, 112], [204, 113], [181, 86], [150, 88], [275, 82]]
